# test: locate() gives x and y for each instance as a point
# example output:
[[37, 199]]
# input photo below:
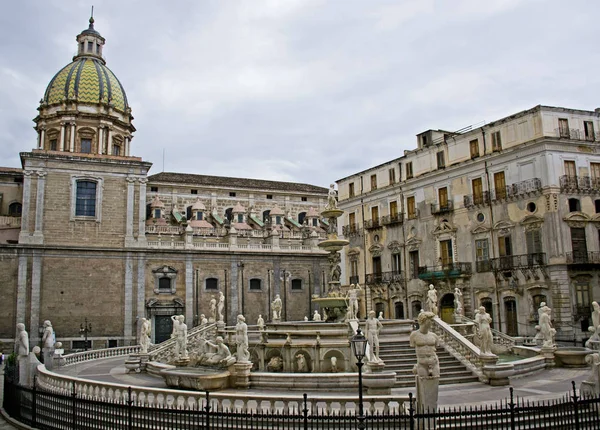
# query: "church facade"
[[86, 234]]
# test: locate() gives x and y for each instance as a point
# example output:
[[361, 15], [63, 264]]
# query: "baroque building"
[[508, 212], [86, 233]]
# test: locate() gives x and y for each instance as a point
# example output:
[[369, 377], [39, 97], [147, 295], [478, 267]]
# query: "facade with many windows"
[[508, 212], [86, 233]]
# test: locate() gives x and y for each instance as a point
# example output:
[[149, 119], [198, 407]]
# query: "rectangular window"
[[474, 148], [446, 252], [396, 263], [443, 198], [570, 170], [53, 144], [116, 150], [354, 268], [579, 244], [533, 239], [90, 47], [392, 173], [240, 218], [352, 221], [504, 246], [582, 294], [413, 260], [496, 141], [212, 284], [232, 194], [373, 182], [85, 203], [304, 199], [477, 185], [351, 189], [278, 220], [393, 209], [154, 189], [409, 170], [563, 127], [86, 146], [500, 185], [255, 284], [482, 252], [375, 215], [411, 211], [156, 213], [595, 171], [588, 128], [269, 196], [296, 284], [441, 162], [194, 191]]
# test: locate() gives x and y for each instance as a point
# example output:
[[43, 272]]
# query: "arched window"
[[296, 284], [228, 213], [574, 205], [267, 216], [212, 284], [416, 308], [255, 284], [85, 199], [14, 209], [301, 217]]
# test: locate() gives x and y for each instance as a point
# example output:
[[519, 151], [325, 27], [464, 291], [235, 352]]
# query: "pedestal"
[[377, 380], [220, 325], [182, 362], [427, 393], [23, 369], [548, 353], [48, 357], [137, 362], [241, 374]]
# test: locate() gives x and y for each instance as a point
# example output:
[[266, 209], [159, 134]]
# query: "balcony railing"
[[446, 207], [413, 215], [579, 183], [483, 266], [520, 189], [581, 311], [473, 200], [576, 134], [351, 230], [451, 270], [522, 261], [384, 277], [392, 219], [583, 257], [372, 223], [353, 279]]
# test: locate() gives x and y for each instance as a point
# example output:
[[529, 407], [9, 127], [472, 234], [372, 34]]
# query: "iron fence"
[[46, 410], [385, 277], [590, 257], [392, 219], [441, 208], [521, 261], [579, 183]]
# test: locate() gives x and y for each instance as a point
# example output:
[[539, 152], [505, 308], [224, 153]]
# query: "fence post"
[[74, 405], [207, 409], [411, 411], [575, 406], [129, 409], [34, 402], [512, 409], [305, 412]]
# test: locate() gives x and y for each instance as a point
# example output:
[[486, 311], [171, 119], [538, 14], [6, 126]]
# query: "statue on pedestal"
[[213, 311], [594, 341], [22, 351], [432, 300], [48, 340], [458, 306], [372, 328], [546, 329], [427, 369], [220, 306], [301, 363], [353, 301], [484, 331], [316, 316], [277, 305], [260, 322], [145, 331], [203, 320], [221, 357], [331, 198], [241, 340], [180, 336]]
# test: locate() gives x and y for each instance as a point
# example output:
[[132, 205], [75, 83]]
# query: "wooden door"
[[477, 185], [163, 327], [579, 244], [510, 309], [570, 170], [500, 185], [446, 252]]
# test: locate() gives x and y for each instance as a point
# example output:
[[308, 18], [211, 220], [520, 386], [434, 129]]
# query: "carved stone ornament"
[[503, 228], [413, 244], [444, 227], [394, 246], [353, 254], [376, 249], [532, 222], [480, 229], [577, 219]]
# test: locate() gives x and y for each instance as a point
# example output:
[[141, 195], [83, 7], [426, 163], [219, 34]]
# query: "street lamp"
[[359, 349], [84, 329]]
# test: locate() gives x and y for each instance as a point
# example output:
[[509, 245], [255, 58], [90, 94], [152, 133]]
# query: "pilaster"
[[72, 144], [21, 289], [129, 241], [35, 306], [142, 214], [189, 290], [38, 234], [26, 207], [128, 306], [141, 286], [62, 136]]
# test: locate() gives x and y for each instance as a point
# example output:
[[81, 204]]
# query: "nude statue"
[[316, 316], [277, 305], [222, 356], [48, 336], [595, 317], [458, 307], [334, 368], [353, 300], [213, 310], [483, 321], [180, 336], [380, 316], [241, 339], [301, 363], [221, 305], [432, 300], [425, 344], [203, 320], [546, 329], [372, 328], [260, 322], [145, 331], [331, 198]]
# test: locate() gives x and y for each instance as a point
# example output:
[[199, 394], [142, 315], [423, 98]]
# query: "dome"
[[87, 80]]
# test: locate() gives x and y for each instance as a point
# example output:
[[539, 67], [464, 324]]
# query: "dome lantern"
[[90, 43]]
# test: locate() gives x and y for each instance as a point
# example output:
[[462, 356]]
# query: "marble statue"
[[336, 272], [203, 320], [48, 344], [213, 311], [277, 305], [275, 364], [334, 368], [316, 316], [372, 328], [220, 306], [22, 341], [353, 301], [241, 340], [145, 331], [380, 316], [458, 307], [301, 363], [427, 369], [180, 336], [483, 321], [594, 341], [432, 300], [260, 322], [595, 316], [541, 310], [331, 198], [221, 357], [546, 329]]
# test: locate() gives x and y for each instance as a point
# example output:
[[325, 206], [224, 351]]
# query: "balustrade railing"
[[96, 354], [392, 219], [164, 229], [583, 257], [520, 189], [165, 351], [385, 277], [437, 208], [576, 134], [351, 230], [478, 199], [579, 183], [412, 215], [10, 221], [372, 223], [449, 270], [511, 262]]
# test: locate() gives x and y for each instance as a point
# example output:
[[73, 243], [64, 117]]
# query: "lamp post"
[[359, 349], [84, 329]]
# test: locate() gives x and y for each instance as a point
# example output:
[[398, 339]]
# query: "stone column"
[[21, 289], [189, 291], [109, 145], [100, 139], [127, 144], [129, 211], [128, 303], [62, 136], [24, 234], [141, 286], [72, 144], [41, 140], [34, 317], [142, 214], [38, 234]]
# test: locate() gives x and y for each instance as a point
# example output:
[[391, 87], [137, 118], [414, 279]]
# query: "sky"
[[306, 91]]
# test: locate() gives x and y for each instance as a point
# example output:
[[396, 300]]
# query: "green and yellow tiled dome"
[[86, 80]]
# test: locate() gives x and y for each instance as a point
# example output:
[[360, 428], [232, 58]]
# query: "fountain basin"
[[333, 244], [572, 356], [196, 378], [335, 307]]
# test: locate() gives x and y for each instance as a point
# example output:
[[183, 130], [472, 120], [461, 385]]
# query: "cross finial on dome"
[[92, 19]]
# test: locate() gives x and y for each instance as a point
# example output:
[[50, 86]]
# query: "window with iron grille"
[[296, 284], [85, 203], [211, 284]]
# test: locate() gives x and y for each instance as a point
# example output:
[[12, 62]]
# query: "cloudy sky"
[[302, 90]]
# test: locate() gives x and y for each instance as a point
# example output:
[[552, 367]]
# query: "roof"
[[233, 183]]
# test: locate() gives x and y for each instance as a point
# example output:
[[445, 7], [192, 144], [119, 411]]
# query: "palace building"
[[86, 233]]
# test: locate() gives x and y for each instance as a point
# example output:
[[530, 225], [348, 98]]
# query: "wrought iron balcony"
[[581, 311], [582, 184], [413, 215], [372, 223], [353, 279], [384, 278], [451, 270], [483, 266], [392, 219], [576, 134], [522, 261], [437, 209], [583, 257], [351, 230], [473, 200], [514, 191]]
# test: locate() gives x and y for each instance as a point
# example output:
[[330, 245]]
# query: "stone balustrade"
[[96, 354], [171, 243], [500, 338], [164, 351], [227, 402], [10, 221]]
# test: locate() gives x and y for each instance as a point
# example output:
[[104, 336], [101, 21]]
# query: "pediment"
[[480, 229], [394, 246], [353, 251], [376, 249], [503, 227], [532, 222], [577, 219], [444, 227], [165, 269], [413, 243]]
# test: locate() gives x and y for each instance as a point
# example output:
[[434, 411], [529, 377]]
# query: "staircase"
[[399, 356]]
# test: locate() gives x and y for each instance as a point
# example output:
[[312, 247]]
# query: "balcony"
[[438, 209], [579, 184], [516, 191], [476, 200], [385, 278], [483, 266], [372, 224], [412, 215], [351, 230], [451, 270], [522, 261], [581, 312], [583, 257], [576, 134], [392, 219]]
